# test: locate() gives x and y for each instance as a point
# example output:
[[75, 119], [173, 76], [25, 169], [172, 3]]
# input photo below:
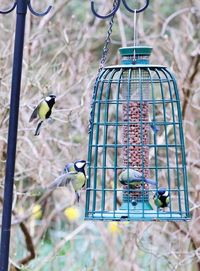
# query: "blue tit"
[[161, 198], [43, 111], [133, 177], [74, 173]]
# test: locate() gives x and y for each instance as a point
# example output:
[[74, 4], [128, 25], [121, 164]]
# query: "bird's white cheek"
[[80, 165], [166, 194], [48, 99]]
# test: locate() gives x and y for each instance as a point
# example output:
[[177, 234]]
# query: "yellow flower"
[[113, 227], [72, 213], [37, 211]]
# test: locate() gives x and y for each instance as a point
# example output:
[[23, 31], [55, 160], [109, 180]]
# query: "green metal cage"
[[136, 124]]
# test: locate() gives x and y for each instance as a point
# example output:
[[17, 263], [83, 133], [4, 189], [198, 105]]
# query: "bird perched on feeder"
[[161, 198], [74, 173], [43, 111], [133, 177]]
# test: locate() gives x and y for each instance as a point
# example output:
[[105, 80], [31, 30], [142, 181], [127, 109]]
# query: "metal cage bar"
[[175, 140], [166, 134], [105, 135], [116, 149], [182, 144]]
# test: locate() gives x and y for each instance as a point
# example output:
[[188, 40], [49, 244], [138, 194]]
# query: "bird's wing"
[[136, 174], [158, 202], [34, 114], [62, 180], [140, 179]]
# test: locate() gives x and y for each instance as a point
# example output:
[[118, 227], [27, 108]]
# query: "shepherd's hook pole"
[[12, 134], [21, 6]]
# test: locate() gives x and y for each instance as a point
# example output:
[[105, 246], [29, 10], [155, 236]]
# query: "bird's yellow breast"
[[43, 110], [79, 182]]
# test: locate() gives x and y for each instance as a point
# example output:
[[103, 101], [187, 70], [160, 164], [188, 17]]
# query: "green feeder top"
[[135, 55]]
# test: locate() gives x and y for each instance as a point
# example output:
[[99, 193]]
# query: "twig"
[[121, 28], [174, 15], [48, 18], [60, 245], [194, 63], [28, 240], [29, 245], [48, 220], [186, 233]]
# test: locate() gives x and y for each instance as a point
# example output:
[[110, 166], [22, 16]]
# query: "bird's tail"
[[37, 131], [150, 181]]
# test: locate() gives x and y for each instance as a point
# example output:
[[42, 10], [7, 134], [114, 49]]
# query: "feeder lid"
[[137, 50]]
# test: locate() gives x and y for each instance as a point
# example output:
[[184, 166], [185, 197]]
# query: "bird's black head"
[[50, 99], [53, 96], [79, 165], [161, 191]]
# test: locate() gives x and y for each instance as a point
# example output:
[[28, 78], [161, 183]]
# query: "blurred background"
[[61, 56]]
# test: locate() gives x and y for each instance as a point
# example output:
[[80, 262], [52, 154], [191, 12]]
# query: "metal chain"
[[102, 62], [107, 41]]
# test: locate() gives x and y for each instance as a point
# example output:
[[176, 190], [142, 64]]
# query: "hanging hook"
[[10, 9], [37, 13], [137, 10], [108, 15]]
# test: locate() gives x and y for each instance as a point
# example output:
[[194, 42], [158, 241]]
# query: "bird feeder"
[[136, 125]]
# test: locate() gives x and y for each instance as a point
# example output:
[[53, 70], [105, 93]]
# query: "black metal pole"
[[12, 134]]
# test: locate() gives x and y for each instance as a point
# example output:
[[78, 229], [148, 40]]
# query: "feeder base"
[[134, 206], [136, 215]]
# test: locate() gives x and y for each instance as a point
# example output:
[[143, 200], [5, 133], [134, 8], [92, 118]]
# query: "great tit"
[[74, 173], [161, 198], [43, 111], [133, 177]]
